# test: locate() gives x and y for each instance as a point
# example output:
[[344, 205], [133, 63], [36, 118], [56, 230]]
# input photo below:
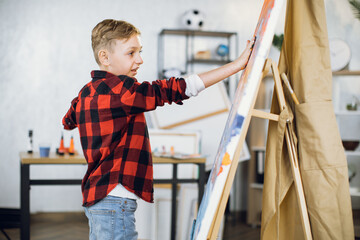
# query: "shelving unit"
[[190, 37], [257, 135], [256, 174], [353, 153], [347, 113], [341, 114]]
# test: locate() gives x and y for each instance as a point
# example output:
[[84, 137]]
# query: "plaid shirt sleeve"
[[109, 114], [69, 121], [140, 97]]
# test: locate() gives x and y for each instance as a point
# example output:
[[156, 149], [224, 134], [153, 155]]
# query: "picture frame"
[[184, 142]]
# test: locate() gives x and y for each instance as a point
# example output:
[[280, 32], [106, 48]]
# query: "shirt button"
[[123, 210], [125, 202]]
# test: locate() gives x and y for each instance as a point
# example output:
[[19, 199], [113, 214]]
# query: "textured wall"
[[46, 58]]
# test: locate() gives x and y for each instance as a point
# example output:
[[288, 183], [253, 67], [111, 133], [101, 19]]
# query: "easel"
[[291, 149]]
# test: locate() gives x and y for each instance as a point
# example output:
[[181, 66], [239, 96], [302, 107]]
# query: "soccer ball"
[[193, 19]]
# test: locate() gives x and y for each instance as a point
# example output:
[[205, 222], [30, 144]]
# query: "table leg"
[[173, 203], [24, 204], [201, 182]]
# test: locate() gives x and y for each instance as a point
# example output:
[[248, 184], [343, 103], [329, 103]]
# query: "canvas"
[[238, 119]]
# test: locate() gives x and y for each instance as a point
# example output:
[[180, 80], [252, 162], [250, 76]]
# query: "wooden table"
[[34, 159]]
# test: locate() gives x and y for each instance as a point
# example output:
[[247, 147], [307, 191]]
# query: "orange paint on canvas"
[[220, 171], [226, 159]]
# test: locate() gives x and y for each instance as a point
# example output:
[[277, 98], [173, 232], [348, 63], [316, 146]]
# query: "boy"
[[109, 112]]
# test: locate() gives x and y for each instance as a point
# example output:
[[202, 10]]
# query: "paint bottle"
[[72, 147], [30, 142], [61, 150]]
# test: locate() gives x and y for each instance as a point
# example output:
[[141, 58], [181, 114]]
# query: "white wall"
[[47, 58]]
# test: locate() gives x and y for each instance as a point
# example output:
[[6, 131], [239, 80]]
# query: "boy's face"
[[125, 57]]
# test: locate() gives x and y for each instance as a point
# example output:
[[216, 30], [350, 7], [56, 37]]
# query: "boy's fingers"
[[252, 42]]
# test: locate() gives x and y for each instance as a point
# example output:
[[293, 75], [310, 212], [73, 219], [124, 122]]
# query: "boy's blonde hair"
[[105, 32]]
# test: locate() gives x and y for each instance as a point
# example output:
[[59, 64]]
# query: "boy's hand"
[[245, 55], [213, 76]]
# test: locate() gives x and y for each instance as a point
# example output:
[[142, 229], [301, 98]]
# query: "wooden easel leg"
[[298, 184], [293, 158]]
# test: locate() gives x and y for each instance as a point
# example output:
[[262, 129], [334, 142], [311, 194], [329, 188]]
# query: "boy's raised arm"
[[213, 76]]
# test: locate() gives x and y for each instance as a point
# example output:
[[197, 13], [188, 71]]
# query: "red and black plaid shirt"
[[109, 112]]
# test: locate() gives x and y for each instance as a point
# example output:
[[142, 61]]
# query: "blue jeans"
[[112, 218]]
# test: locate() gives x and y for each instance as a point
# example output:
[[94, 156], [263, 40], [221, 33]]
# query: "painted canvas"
[[235, 131]]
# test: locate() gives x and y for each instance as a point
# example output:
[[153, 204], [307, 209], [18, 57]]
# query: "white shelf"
[[257, 185], [346, 73], [352, 153], [347, 113], [258, 148], [354, 192]]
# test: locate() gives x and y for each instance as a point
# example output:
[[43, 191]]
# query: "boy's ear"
[[103, 57]]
